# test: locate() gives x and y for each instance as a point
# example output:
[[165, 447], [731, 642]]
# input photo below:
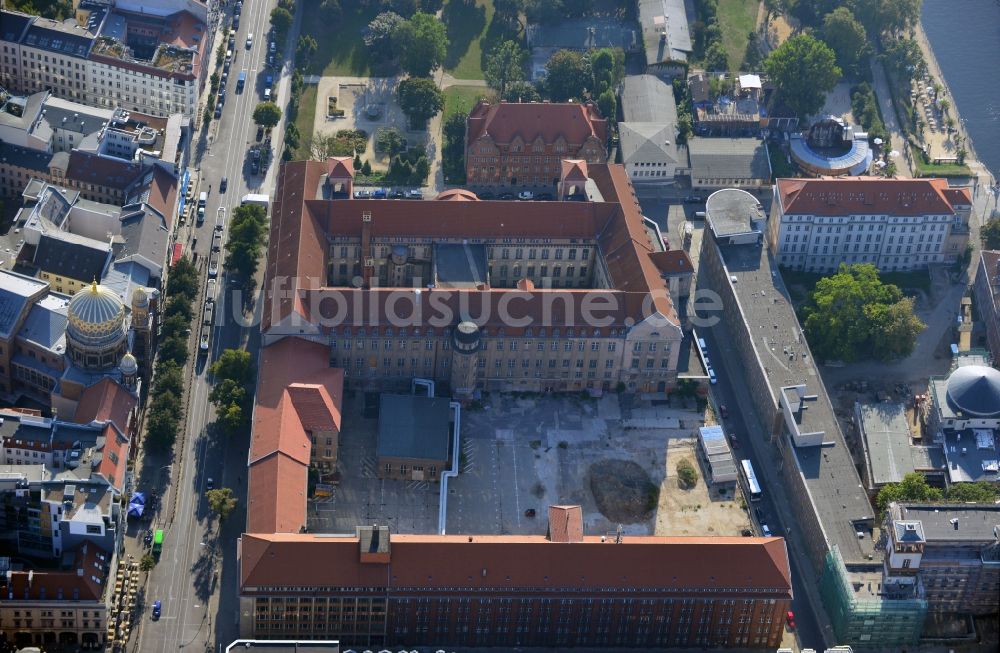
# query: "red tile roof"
[[869, 195], [574, 170], [673, 262], [44, 585], [114, 457], [106, 401], [300, 226], [565, 523], [340, 167], [549, 121], [458, 194], [297, 393], [163, 194], [426, 562]]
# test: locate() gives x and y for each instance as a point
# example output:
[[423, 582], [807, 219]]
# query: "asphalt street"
[[196, 575], [753, 444]]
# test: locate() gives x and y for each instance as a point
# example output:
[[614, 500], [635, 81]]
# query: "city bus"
[[157, 542], [750, 485]]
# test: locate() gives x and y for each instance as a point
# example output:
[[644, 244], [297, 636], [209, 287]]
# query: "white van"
[[267, 94], [203, 199]]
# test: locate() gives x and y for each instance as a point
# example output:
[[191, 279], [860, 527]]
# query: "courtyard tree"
[[853, 315], [846, 35], [913, 487], [716, 59], [803, 69], [420, 99], [422, 44], [267, 115], [221, 501], [567, 75], [504, 66], [453, 149], [687, 475], [378, 35]]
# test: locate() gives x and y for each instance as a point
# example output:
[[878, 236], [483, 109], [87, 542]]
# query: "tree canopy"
[[914, 487], [803, 69], [567, 75], [846, 35], [422, 43], [221, 501], [267, 115], [453, 148], [420, 99], [853, 315], [887, 16], [991, 234], [281, 18], [504, 66]]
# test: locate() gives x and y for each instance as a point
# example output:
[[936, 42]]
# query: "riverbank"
[[981, 174]]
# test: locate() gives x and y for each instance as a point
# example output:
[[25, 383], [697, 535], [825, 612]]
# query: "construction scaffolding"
[[862, 617]]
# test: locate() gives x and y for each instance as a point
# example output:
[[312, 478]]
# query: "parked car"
[[525, 195], [362, 194], [415, 194], [379, 194], [723, 411], [260, 134], [218, 111], [396, 194], [693, 199], [157, 609], [765, 530], [507, 196], [791, 620], [486, 195], [734, 441]]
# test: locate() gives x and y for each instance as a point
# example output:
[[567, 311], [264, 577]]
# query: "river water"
[[965, 37]]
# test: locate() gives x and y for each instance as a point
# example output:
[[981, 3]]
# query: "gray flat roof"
[[668, 18], [975, 521], [730, 212], [80, 118], [46, 322], [15, 291], [647, 98], [887, 441], [410, 426], [648, 142], [972, 455], [729, 158], [22, 157], [830, 476]]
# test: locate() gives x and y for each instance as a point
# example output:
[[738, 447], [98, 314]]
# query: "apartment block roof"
[[891, 454], [953, 523], [91, 168], [828, 471], [72, 116], [729, 158], [843, 196], [300, 225], [506, 121], [64, 254], [713, 566], [86, 580], [23, 157], [297, 393]]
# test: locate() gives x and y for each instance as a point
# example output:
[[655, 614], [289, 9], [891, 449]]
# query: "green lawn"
[[304, 121], [462, 98], [471, 35], [922, 169], [341, 50], [737, 18]]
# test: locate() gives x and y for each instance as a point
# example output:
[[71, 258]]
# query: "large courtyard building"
[[374, 589], [894, 224], [559, 296], [150, 58], [523, 144]]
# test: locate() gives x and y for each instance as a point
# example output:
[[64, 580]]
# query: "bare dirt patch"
[[623, 490]]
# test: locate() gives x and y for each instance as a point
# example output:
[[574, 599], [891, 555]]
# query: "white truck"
[[258, 200]]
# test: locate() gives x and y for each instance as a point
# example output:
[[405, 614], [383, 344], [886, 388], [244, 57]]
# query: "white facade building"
[[894, 224]]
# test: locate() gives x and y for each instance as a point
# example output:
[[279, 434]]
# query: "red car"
[[791, 620], [724, 410]]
